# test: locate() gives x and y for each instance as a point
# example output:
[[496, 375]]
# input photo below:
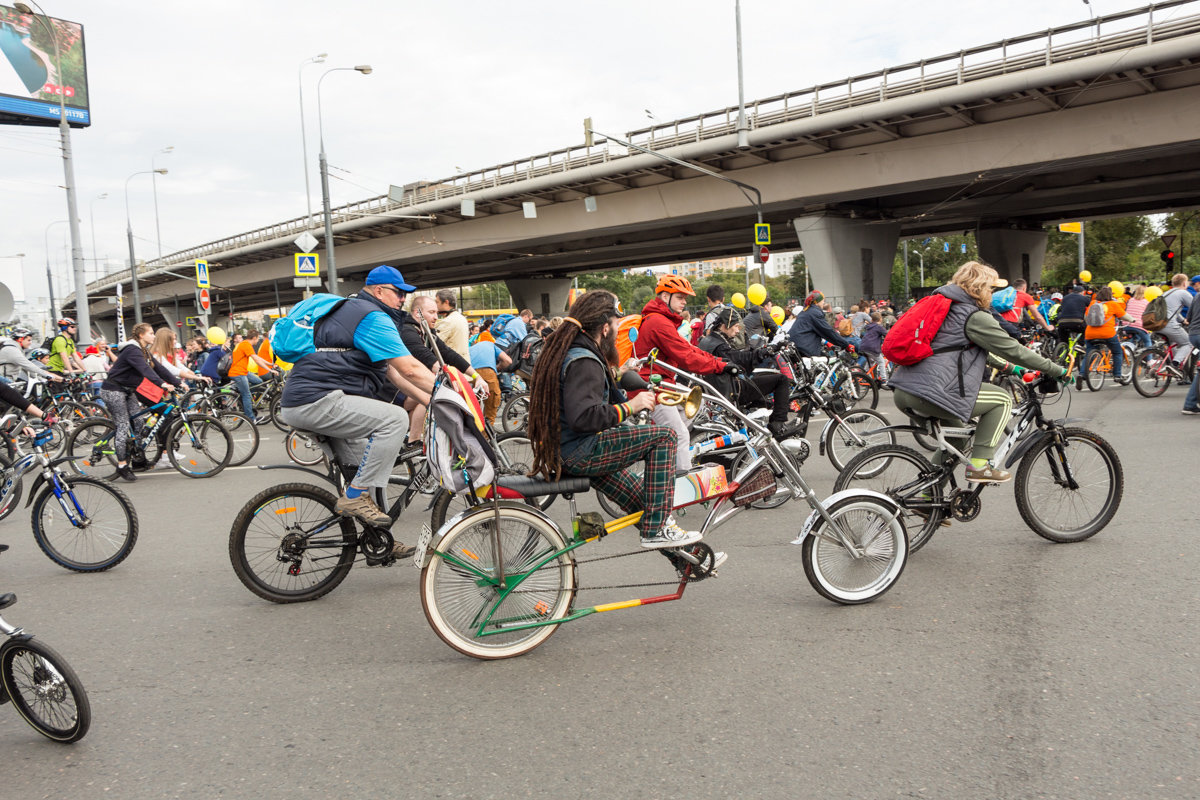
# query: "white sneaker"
[[718, 559], [671, 536]]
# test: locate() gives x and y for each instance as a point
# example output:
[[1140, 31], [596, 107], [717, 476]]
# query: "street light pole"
[[137, 303], [743, 130], [82, 310], [154, 185], [92, 218], [331, 266], [49, 274], [317, 59]]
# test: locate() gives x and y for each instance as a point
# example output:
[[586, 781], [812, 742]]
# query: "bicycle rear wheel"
[[846, 577], [243, 434], [460, 591], [1150, 376], [516, 452], [907, 477], [90, 448], [1047, 502], [199, 446], [303, 449], [45, 690], [288, 545], [1097, 371], [99, 531], [514, 414]]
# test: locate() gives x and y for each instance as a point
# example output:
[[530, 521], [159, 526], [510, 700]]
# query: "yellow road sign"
[[307, 265], [1071, 227], [762, 233]]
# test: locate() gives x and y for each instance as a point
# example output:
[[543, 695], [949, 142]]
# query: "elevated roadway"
[[1087, 120]]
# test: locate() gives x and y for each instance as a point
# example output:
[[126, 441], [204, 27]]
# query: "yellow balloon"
[[756, 294], [1152, 292], [739, 300], [777, 314], [1117, 287], [1085, 276], [216, 335]]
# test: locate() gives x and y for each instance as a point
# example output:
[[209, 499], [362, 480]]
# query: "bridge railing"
[[1151, 23]]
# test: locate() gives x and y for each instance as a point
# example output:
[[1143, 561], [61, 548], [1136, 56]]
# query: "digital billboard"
[[30, 81]]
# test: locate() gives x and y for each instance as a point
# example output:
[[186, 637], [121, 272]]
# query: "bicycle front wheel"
[[853, 434], [199, 446], [514, 414], [90, 448], [1150, 377], [91, 528], [288, 545], [866, 388], [1048, 502], [45, 690], [907, 477], [880, 551], [460, 591]]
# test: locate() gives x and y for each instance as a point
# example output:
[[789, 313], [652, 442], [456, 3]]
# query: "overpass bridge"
[[1092, 119]]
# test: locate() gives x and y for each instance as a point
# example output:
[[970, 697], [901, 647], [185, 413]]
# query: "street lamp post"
[[49, 273], [331, 267], [317, 59], [92, 218], [82, 311], [154, 185], [137, 304]]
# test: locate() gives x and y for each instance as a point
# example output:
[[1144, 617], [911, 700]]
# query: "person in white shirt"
[[452, 328]]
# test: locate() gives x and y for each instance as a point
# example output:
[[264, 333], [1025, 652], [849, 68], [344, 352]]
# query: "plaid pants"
[[607, 464]]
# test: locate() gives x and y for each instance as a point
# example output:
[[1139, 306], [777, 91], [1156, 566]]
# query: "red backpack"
[[910, 340]]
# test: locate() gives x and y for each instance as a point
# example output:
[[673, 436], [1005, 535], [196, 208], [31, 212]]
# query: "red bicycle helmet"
[[675, 285]]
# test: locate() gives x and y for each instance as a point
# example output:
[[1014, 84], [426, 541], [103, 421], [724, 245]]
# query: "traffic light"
[[1168, 257]]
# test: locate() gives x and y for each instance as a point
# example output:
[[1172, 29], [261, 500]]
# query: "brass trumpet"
[[679, 396]]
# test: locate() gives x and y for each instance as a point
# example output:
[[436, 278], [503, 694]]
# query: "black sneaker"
[[784, 430], [126, 474], [410, 450]]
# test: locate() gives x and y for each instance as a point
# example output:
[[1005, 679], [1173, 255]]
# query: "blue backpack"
[[292, 336], [497, 329], [1004, 300]]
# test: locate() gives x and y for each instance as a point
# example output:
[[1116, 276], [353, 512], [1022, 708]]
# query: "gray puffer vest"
[[951, 377]]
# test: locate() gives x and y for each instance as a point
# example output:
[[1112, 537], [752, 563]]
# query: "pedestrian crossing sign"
[[762, 233], [202, 275], [306, 265]]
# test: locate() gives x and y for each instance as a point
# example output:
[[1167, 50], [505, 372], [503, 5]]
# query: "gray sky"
[[458, 83]]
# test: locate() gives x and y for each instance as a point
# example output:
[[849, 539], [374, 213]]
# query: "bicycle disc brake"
[[376, 545], [965, 506]]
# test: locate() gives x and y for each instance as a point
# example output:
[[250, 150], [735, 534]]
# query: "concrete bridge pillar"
[[848, 258], [1014, 252], [543, 296]]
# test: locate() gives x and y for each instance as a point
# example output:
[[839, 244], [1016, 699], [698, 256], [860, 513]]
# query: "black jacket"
[[810, 329], [414, 339], [722, 347], [131, 367]]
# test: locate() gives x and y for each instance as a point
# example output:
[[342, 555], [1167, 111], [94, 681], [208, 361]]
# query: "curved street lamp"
[[331, 268], [92, 217], [317, 59], [154, 185]]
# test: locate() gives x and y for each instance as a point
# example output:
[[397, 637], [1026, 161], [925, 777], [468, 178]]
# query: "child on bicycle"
[[948, 385]]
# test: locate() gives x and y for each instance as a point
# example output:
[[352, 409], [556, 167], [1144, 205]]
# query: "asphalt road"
[[999, 666]]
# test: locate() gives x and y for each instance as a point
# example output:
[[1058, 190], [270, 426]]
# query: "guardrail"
[[1009, 55]]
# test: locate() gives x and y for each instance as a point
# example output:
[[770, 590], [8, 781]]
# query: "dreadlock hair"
[[588, 313]]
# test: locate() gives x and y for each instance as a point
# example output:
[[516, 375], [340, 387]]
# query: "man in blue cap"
[[336, 390]]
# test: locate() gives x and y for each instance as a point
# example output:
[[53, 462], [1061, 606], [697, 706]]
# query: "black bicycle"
[[1069, 480]]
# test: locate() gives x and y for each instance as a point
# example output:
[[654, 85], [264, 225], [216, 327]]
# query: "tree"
[[1120, 249]]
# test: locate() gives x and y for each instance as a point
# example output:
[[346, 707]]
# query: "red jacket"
[[660, 328]]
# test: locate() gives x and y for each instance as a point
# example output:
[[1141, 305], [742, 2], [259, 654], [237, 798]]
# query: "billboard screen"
[[30, 81]]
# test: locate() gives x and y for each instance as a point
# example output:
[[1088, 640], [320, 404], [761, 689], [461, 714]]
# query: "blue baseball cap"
[[388, 276], [1194, 279]]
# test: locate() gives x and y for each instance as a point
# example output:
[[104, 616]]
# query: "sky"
[[455, 84]]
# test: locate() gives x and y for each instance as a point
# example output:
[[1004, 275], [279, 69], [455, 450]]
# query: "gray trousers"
[[373, 430], [672, 417]]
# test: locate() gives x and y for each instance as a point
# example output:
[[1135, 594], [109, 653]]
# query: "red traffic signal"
[[1168, 256]]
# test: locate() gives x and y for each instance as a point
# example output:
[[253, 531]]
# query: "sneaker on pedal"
[[670, 536], [401, 550], [719, 558], [126, 474], [987, 474], [784, 430], [410, 450], [362, 508]]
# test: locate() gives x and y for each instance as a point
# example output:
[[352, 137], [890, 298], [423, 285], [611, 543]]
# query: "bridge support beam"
[[848, 258], [543, 296], [1014, 252]]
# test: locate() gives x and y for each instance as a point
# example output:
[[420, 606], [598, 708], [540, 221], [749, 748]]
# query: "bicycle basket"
[[759, 486]]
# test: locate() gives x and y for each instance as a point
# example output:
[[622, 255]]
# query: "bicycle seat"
[[535, 487]]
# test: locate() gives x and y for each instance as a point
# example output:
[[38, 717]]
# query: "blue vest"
[[571, 440], [337, 364]]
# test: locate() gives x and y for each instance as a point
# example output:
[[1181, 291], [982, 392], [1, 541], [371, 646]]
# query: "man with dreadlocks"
[[575, 416]]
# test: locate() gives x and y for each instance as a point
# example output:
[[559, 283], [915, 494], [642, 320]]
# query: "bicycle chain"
[[690, 578]]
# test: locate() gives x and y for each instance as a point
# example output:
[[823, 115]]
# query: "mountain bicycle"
[[1069, 480], [196, 445], [1100, 365], [1155, 367], [498, 579], [43, 688], [242, 431], [80, 523]]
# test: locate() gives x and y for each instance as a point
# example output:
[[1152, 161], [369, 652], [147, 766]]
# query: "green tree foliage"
[[943, 255], [1124, 249]]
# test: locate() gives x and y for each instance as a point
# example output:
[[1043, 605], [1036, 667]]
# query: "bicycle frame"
[[24, 463]]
